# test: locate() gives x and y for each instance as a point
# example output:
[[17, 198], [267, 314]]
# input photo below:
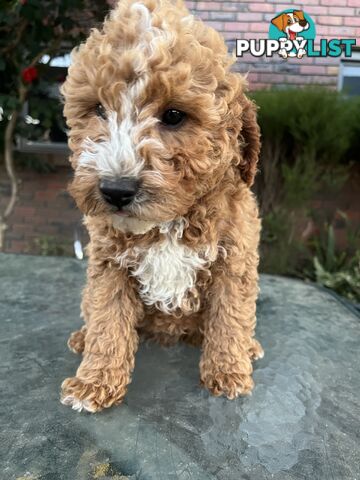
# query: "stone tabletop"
[[302, 421]]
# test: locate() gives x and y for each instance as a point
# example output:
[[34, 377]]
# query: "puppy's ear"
[[280, 21], [249, 142], [299, 14]]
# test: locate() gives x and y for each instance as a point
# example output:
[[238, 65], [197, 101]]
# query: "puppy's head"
[[156, 119], [291, 23]]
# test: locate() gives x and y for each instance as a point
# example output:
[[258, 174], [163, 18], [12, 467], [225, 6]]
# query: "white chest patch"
[[166, 273]]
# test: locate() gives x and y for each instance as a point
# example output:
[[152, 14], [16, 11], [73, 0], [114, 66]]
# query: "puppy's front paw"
[[255, 350], [76, 342], [231, 385], [89, 396]]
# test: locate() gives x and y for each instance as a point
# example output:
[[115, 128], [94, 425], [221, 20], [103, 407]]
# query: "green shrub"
[[305, 133], [335, 268], [282, 253], [310, 140], [48, 245]]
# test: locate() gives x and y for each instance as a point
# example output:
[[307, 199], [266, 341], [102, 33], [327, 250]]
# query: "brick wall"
[[45, 217], [248, 19]]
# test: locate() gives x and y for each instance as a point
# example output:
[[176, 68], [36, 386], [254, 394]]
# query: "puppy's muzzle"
[[119, 192]]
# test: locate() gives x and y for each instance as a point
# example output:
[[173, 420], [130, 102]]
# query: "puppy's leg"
[[229, 346], [110, 344], [76, 341]]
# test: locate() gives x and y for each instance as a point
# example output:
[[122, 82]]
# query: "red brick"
[[334, 70], [208, 6], [223, 16], [45, 195], [11, 235], [233, 7], [236, 27], [18, 246], [336, 3], [352, 21], [57, 185], [249, 17], [276, 78], [217, 25], [261, 7], [326, 60], [317, 10], [342, 11], [203, 15], [48, 230], [327, 20], [313, 70], [253, 77], [323, 80], [260, 86], [21, 211], [268, 17], [259, 27], [321, 30], [339, 32], [255, 35], [20, 228]]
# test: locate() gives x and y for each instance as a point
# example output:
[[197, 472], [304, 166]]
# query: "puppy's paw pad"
[[78, 405], [256, 351], [88, 396], [78, 395], [231, 385], [76, 342]]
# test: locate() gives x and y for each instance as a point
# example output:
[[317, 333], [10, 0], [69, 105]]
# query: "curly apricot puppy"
[[165, 145]]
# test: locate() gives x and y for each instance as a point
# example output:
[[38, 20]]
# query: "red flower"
[[23, 2], [29, 74]]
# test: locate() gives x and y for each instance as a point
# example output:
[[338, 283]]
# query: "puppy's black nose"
[[119, 192]]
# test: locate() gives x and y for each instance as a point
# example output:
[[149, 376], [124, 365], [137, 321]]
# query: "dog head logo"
[[291, 23], [292, 28]]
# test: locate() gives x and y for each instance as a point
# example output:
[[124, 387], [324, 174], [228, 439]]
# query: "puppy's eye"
[[100, 111], [289, 21], [173, 117]]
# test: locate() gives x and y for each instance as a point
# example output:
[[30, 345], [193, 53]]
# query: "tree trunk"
[[9, 164]]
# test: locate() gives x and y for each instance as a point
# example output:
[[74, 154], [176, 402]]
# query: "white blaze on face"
[[120, 154], [115, 156]]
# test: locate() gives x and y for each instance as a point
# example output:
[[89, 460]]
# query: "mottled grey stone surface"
[[302, 421]]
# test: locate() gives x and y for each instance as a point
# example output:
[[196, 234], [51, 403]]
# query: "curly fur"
[[182, 265]]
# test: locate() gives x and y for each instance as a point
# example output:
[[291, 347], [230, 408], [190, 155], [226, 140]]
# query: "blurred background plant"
[[334, 268], [50, 245], [32, 33], [310, 145]]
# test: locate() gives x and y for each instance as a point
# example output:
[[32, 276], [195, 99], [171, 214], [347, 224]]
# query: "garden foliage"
[[310, 144], [32, 32]]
